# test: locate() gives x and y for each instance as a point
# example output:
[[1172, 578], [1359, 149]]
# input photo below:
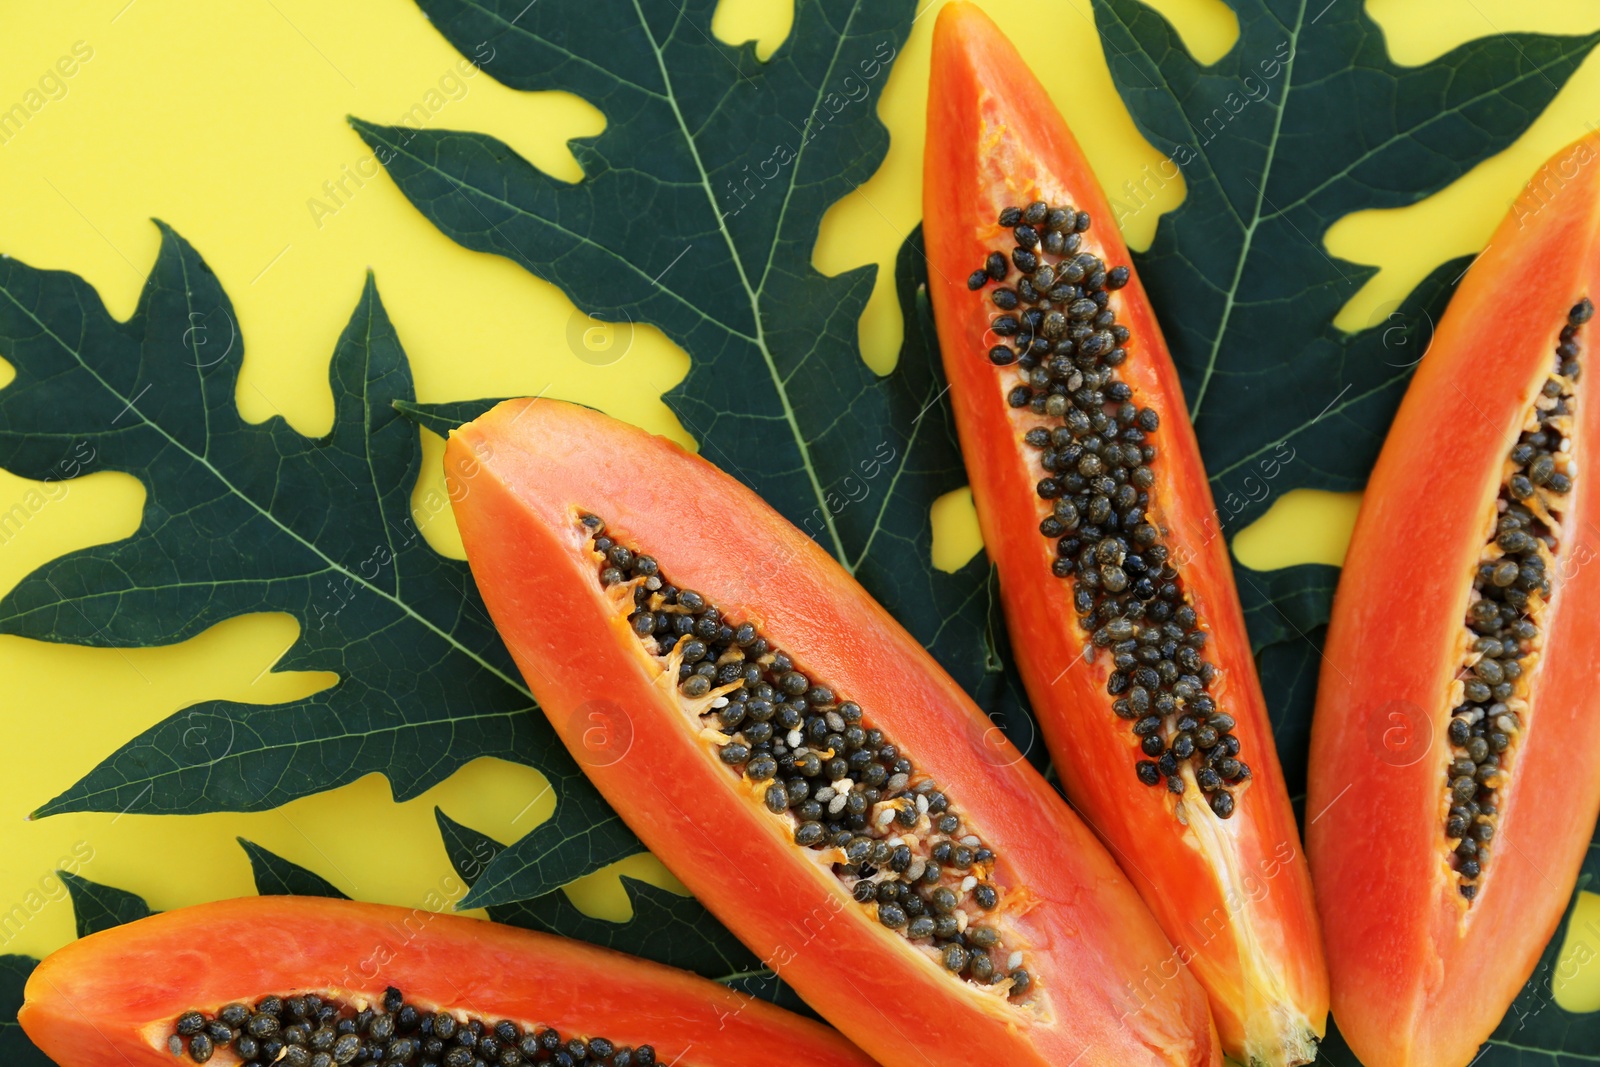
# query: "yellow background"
[[226, 120]]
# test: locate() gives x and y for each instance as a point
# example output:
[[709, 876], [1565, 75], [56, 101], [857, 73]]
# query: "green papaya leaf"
[[276, 876], [1305, 120], [100, 907], [543, 858], [15, 1048], [245, 518]]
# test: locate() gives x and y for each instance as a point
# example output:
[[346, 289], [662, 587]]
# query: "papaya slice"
[[800, 762], [1113, 572], [314, 982], [1457, 723]]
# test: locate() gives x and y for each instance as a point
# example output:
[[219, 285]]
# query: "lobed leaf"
[[244, 518], [15, 1048], [276, 876], [100, 907], [1305, 120]]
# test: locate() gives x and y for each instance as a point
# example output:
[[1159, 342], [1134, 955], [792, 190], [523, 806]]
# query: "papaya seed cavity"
[[308, 1030], [1097, 450], [1511, 591], [901, 846]]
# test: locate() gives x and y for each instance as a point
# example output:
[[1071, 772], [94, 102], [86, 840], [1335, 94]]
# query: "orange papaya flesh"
[[524, 479], [120, 998], [1107, 556], [1426, 977]]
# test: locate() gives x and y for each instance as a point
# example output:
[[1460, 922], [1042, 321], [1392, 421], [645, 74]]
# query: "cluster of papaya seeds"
[[1059, 339], [901, 843], [1511, 589], [307, 1030]]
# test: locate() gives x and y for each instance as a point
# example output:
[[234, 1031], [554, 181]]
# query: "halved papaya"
[[800, 762], [315, 982], [1113, 571], [1457, 724]]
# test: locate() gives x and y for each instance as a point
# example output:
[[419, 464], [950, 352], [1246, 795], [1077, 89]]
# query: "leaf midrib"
[[1410, 132], [888, 494], [760, 340], [1297, 431], [736, 976], [1554, 1054], [235, 754], [545, 42], [194, 350], [205, 463], [517, 209], [366, 426], [1255, 216]]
